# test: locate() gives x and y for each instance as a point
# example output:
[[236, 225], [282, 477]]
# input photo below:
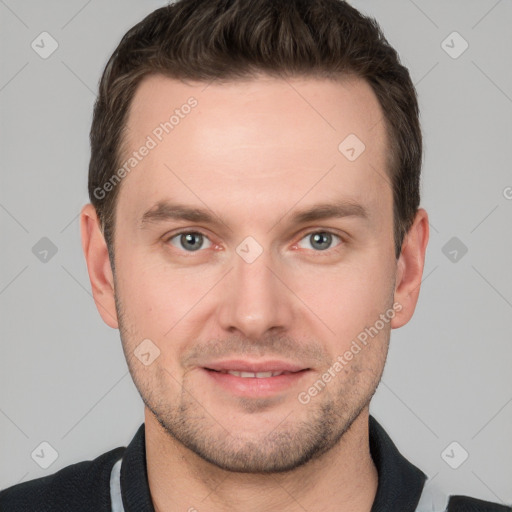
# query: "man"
[[255, 233]]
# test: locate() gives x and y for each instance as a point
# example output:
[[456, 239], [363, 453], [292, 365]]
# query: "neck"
[[342, 479]]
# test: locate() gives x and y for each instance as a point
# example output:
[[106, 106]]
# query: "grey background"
[[63, 376]]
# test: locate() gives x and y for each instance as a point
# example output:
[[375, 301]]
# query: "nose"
[[255, 298]]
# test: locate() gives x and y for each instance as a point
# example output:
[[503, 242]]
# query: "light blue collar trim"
[[432, 499], [115, 487]]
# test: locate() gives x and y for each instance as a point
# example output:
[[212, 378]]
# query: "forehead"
[[266, 140]]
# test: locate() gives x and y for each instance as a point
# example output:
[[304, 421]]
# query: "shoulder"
[[467, 504], [80, 487]]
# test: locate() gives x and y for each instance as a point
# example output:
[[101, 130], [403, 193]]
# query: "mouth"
[[255, 366], [254, 375], [255, 383]]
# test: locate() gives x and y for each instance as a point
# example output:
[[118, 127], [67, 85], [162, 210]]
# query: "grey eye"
[[319, 240], [190, 241]]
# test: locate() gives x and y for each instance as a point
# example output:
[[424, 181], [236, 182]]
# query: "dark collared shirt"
[[85, 486]]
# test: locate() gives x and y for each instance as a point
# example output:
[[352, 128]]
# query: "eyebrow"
[[165, 210], [338, 209]]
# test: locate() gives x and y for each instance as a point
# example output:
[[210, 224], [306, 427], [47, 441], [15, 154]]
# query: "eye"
[[319, 240], [189, 240]]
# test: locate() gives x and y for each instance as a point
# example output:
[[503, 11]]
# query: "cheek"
[[156, 296], [346, 298], [153, 309]]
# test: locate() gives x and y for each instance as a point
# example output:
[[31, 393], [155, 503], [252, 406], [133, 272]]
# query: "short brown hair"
[[206, 40]]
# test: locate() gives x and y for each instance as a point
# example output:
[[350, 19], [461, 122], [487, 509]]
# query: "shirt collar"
[[400, 482]]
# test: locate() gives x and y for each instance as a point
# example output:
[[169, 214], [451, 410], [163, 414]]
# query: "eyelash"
[[342, 242]]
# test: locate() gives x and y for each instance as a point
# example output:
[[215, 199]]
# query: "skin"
[[254, 152]]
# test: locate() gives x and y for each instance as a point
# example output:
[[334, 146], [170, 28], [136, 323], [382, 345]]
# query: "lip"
[[255, 387], [240, 365]]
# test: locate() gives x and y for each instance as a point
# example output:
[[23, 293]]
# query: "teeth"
[[258, 375]]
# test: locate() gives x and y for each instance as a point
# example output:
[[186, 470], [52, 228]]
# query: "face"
[[246, 240]]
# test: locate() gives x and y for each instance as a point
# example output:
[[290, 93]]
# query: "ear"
[[410, 269], [98, 265]]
